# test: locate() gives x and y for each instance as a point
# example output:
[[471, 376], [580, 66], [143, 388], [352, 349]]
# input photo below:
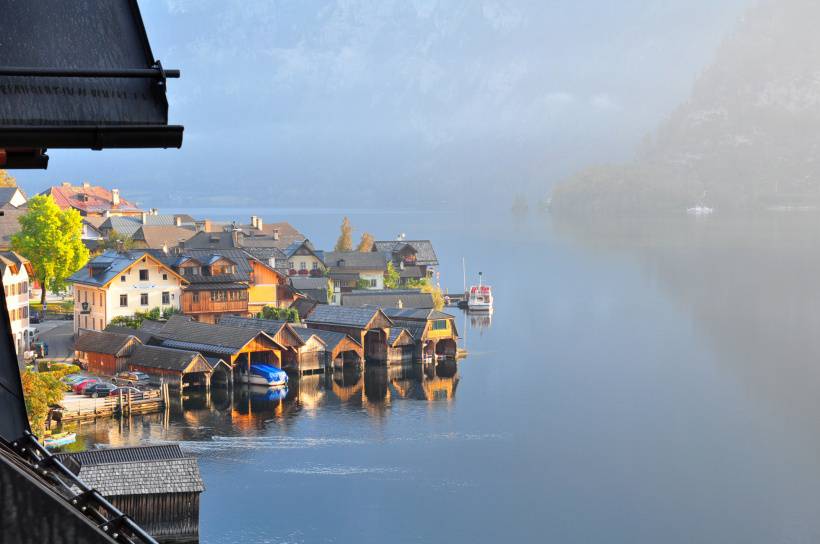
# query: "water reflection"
[[250, 410]]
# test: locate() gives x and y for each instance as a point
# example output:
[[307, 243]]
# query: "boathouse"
[[176, 367], [339, 349], [282, 333], [104, 353], [159, 486], [401, 346], [434, 331], [238, 346], [369, 326]]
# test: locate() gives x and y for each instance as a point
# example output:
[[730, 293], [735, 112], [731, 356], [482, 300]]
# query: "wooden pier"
[[79, 408]]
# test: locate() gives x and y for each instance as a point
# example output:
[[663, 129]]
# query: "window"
[[122, 278], [373, 283], [303, 265], [165, 276], [196, 296], [25, 287], [143, 275], [144, 299], [315, 265], [439, 325], [166, 297], [290, 265], [123, 300]]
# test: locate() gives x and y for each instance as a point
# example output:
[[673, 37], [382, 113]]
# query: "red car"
[[80, 386]]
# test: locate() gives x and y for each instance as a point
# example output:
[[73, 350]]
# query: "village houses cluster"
[[207, 282]]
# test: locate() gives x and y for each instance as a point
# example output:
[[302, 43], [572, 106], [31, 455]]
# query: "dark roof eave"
[[91, 136]]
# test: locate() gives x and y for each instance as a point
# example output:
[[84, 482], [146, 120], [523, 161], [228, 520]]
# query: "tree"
[[6, 180], [40, 391], [345, 241], [366, 243], [116, 241], [426, 286], [391, 277], [51, 239], [291, 315]]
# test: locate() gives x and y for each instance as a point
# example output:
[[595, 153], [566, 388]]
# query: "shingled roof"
[[355, 260], [331, 339], [184, 333], [89, 199], [417, 314], [165, 358], [143, 470], [425, 254], [109, 343], [389, 299], [105, 267], [342, 315]]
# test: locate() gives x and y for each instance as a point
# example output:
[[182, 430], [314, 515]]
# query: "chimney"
[[86, 185], [275, 234], [177, 221], [399, 304], [165, 248], [154, 211], [259, 223], [66, 184], [143, 216], [115, 196], [253, 221]]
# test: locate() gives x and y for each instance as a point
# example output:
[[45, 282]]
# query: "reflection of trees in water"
[[751, 285]]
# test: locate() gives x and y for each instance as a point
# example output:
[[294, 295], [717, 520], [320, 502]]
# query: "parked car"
[[81, 385], [100, 389], [132, 378], [136, 394], [72, 379]]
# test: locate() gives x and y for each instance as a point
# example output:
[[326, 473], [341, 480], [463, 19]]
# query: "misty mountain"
[[748, 136]]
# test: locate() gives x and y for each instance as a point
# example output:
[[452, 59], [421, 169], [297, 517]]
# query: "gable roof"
[[109, 343], [128, 225], [291, 250], [304, 306], [270, 326], [9, 224], [89, 198], [331, 339], [389, 299], [184, 333], [7, 194], [418, 314], [399, 336], [425, 254], [158, 236], [124, 455], [164, 358], [15, 261], [143, 335], [355, 260], [341, 315], [102, 269]]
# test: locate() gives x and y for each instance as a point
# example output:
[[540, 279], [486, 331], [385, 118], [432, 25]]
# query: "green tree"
[[117, 241], [291, 315], [345, 241], [391, 277], [366, 243], [51, 239], [6, 180], [41, 390], [426, 286], [362, 284]]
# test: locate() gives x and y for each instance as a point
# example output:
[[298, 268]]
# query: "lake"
[[640, 381]]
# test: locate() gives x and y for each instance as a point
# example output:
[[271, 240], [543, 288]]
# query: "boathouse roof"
[[144, 335], [418, 314], [166, 358], [343, 315], [106, 342], [305, 307], [183, 333], [389, 298]]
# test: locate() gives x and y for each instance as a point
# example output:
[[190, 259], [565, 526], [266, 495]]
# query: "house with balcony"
[[226, 282], [351, 270], [304, 260], [118, 283], [413, 259], [17, 272]]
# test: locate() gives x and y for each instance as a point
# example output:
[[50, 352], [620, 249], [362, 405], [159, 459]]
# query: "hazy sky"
[[370, 103]]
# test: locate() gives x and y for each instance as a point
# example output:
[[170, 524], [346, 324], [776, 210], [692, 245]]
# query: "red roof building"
[[91, 200]]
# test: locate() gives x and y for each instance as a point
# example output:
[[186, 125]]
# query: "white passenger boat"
[[480, 297]]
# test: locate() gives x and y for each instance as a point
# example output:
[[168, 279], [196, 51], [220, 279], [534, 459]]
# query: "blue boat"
[[265, 374]]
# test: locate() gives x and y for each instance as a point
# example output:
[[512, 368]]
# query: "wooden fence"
[[124, 404]]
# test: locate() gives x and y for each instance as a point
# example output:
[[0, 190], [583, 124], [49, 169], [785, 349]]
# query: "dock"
[[77, 408]]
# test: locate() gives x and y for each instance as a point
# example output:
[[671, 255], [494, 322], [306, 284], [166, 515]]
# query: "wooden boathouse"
[[104, 353], [282, 333], [237, 346], [401, 346], [159, 486], [176, 367], [434, 331], [368, 326], [339, 349]]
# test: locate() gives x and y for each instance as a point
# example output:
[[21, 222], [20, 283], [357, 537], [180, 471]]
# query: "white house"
[[16, 271], [120, 284]]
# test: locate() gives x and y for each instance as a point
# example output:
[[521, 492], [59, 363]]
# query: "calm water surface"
[[639, 382]]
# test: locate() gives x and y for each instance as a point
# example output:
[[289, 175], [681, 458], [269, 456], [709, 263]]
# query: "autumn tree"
[[6, 180], [391, 277], [51, 238], [345, 241], [366, 243]]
